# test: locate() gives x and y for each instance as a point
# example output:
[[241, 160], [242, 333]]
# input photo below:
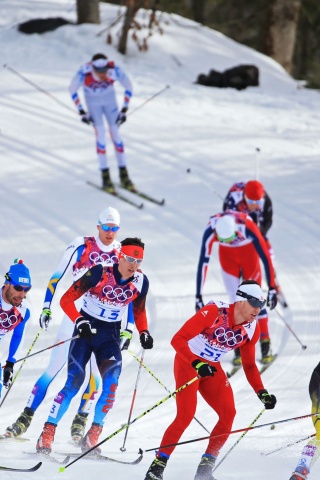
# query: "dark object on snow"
[[42, 25], [239, 77]]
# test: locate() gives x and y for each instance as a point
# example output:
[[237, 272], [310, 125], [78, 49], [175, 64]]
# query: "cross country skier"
[[80, 255], [97, 79], [14, 314], [105, 292], [240, 246], [311, 451], [200, 344], [251, 198]]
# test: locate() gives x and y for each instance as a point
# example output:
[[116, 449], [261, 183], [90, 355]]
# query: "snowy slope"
[[220, 135]]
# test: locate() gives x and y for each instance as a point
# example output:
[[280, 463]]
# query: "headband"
[[132, 251]]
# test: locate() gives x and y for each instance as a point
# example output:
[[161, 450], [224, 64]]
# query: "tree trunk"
[[132, 8], [88, 11], [281, 30], [198, 8]]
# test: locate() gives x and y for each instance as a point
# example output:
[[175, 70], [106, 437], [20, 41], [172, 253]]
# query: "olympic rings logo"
[[117, 293], [97, 258], [228, 337], [8, 321]]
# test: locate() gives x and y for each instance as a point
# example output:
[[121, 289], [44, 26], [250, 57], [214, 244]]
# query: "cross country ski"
[[32, 469]]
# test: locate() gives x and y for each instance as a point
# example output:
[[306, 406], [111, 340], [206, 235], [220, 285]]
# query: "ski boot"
[[156, 468], [46, 438], [205, 467], [107, 184], [21, 425], [77, 427], [125, 181], [91, 439], [266, 352]]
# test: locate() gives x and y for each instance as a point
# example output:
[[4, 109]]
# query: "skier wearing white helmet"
[[241, 245], [80, 255]]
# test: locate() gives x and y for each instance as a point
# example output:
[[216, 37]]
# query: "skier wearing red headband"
[[106, 291]]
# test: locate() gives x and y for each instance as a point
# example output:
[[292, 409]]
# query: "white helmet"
[[109, 215], [226, 227]]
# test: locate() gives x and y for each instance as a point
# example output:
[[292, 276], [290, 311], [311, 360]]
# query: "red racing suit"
[[239, 259], [208, 336]]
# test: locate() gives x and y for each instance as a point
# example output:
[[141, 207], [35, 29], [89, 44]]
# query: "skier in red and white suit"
[[97, 79], [200, 344], [240, 247], [250, 197]]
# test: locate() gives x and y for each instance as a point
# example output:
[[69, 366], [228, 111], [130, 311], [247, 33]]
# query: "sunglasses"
[[19, 288], [227, 240], [132, 259], [252, 202], [106, 228], [253, 301]]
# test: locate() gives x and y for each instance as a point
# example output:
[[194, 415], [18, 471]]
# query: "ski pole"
[[148, 100], [17, 373], [167, 389], [132, 421], [240, 438], [232, 431], [207, 184], [288, 445], [48, 348], [42, 90], [257, 162], [290, 329], [123, 449]]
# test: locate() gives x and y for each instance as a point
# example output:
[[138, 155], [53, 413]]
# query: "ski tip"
[[37, 466], [162, 202]]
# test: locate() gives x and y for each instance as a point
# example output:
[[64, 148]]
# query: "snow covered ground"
[[222, 136]]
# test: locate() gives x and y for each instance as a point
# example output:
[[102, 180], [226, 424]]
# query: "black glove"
[[8, 374], [45, 318], [269, 401], [85, 117], [84, 328], [203, 369], [146, 340], [272, 298], [121, 118], [125, 338], [199, 302]]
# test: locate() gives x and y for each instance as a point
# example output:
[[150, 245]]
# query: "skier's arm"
[[248, 356], [192, 328], [70, 257], [253, 232], [139, 307], [266, 221], [127, 85], [208, 239], [77, 289], [17, 338], [76, 83]]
